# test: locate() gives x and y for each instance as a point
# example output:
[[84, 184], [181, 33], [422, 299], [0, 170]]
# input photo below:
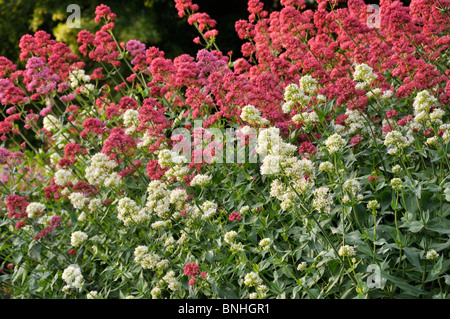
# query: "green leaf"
[[402, 284], [412, 254]]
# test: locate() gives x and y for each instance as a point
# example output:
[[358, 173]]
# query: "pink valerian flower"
[[103, 11], [355, 140], [192, 281], [234, 216], [93, 125], [16, 206], [185, 5], [391, 114], [307, 147], [72, 252], [191, 269], [119, 143]]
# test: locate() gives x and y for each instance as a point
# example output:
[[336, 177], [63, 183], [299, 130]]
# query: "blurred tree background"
[[153, 22]]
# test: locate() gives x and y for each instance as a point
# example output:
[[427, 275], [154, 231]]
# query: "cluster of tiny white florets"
[[294, 94], [206, 210], [252, 279], [323, 199], [78, 200], [346, 251], [200, 180], [335, 143], [175, 162], [149, 260], [73, 277], [307, 118], [78, 77], [34, 208], [352, 187], [252, 115], [171, 280], [78, 238], [131, 120], [129, 212], [63, 177], [51, 123], [99, 172], [364, 74], [178, 197], [396, 142], [158, 200]]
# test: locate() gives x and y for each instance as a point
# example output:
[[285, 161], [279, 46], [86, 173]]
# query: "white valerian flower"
[[346, 251], [432, 254], [200, 180], [130, 117], [94, 204], [252, 279], [51, 123], [387, 95], [323, 199], [78, 200], [34, 208], [177, 197], [156, 292], [92, 295], [308, 84], [129, 212], [63, 177], [373, 205], [265, 243], [423, 102], [78, 238], [230, 236], [73, 277], [326, 167], [113, 180], [171, 280], [396, 183], [302, 266], [352, 186], [252, 115], [100, 169], [396, 142], [335, 143], [364, 73], [295, 94], [396, 169], [287, 106]]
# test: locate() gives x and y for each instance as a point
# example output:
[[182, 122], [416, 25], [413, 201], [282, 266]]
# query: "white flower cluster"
[[200, 180], [335, 143], [51, 123], [171, 280], [308, 118], [34, 208], [363, 73], [176, 163], [323, 199], [99, 172], [295, 95], [178, 197], [149, 260], [73, 277], [308, 84], [352, 187], [158, 199], [78, 200], [252, 279], [146, 140], [252, 115], [206, 210], [129, 212], [265, 243], [78, 238], [346, 251], [130, 119], [63, 177], [80, 78], [396, 142]]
